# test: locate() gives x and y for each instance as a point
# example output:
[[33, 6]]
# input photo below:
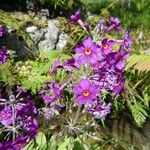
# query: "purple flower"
[[70, 65], [85, 92], [2, 31], [115, 24], [87, 52], [107, 46], [118, 88], [120, 58], [84, 25], [55, 66], [101, 26], [30, 126], [126, 42], [75, 17], [100, 110], [6, 116], [3, 55], [20, 142], [21, 89], [51, 93]]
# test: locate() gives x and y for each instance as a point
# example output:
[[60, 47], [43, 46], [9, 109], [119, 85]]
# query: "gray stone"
[[50, 36], [31, 29], [63, 38]]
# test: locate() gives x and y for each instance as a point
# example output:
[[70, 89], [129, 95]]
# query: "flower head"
[[107, 46], [3, 55], [87, 52], [85, 92], [6, 115], [2, 31], [100, 110], [51, 93], [127, 40], [114, 24], [75, 17], [55, 66]]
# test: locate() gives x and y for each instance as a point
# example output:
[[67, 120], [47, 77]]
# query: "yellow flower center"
[[19, 145], [86, 93], [88, 51], [105, 46]]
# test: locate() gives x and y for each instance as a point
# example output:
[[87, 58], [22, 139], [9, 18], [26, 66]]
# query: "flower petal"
[[84, 84], [87, 42]]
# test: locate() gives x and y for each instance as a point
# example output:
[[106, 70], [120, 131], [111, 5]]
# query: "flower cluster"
[[2, 31], [3, 55], [52, 95], [3, 51], [17, 116], [99, 62]]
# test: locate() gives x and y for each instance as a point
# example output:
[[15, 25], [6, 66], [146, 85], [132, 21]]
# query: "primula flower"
[[70, 65], [87, 52], [100, 110], [29, 125], [74, 18], [126, 42], [6, 115], [85, 92], [51, 93], [55, 66], [18, 144], [115, 24], [119, 58], [107, 46], [118, 88], [3, 55], [2, 31], [101, 26]]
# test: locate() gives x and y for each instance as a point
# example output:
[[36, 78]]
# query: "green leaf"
[[78, 145], [64, 144], [41, 140], [29, 146]]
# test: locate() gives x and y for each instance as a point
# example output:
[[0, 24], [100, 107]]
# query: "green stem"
[[77, 114]]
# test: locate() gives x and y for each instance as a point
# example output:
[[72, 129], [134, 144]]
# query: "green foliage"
[[38, 71], [138, 87], [58, 3], [31, 74], [139, 112], [62, 143]]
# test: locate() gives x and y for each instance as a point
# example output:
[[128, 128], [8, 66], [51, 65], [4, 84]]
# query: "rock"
[[63, 38], [46, 38], [31, 29]]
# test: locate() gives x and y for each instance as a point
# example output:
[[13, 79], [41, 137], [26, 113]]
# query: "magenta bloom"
[[3, 55], [107, 46], [2, 31], [115, 24], [86, 93], [51, 93], [100, 110], [55, 66], [75, 17], [127, 40], [87, 52], [6, 116], [120, 59], [70, 65], [18, 144]]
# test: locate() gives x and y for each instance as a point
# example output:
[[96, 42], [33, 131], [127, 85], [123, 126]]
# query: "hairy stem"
[[77, 114]]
